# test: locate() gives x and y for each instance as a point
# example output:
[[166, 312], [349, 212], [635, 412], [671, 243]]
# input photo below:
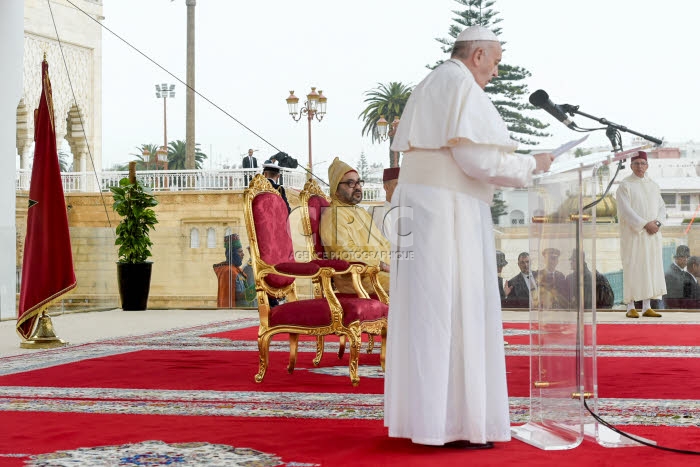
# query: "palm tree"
[[177, 155], [151, 162], [388, 101]]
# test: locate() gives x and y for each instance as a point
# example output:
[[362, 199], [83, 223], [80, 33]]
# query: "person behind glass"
[[445, 379], [232, 281], [271, 171], [694, 270], [640, 209], [678, 280], [503, 288], [251, 297], [249, 162], [605, 297], [522, 283], [553, 291]]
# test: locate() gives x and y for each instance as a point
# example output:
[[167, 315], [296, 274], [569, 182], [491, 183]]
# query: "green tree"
[[386, 100], [507, 90], [580, 152], [142, 164], [363, 166], [177, 155], [375, 173], [499, 207]]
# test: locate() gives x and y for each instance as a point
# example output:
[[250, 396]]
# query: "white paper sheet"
[[566, 146]]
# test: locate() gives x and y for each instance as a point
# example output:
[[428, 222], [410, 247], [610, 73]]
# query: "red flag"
[[47, 268]]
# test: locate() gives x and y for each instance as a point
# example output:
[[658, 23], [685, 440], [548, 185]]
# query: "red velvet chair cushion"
[[274, 236], [317, 312], [298, 269], [337, 264], [314, 312], [373, 296], [362, 309], [316, 206]]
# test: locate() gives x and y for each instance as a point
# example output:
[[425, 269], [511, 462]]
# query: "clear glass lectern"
[[563, 365]]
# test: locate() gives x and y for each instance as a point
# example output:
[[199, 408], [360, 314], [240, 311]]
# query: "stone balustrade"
[[182, 180]]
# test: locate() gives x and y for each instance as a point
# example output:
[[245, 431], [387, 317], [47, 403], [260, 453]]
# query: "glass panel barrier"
[[563, 307], [556, 412]]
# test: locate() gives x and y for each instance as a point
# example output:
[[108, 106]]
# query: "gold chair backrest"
[[258, 186], [311, 189]]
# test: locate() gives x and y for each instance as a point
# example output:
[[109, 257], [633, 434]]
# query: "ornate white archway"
[[75, 66]]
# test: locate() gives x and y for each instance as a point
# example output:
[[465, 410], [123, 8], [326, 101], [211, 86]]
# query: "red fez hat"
[[640, 155], [391, 174]]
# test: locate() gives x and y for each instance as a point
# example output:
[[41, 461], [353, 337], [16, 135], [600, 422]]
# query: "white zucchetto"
[[477, 33]]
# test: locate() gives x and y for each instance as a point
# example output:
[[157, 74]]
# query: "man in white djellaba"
[[641, 208], [445, 381]]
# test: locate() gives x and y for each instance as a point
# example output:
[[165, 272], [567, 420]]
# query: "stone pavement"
[[83, 327]]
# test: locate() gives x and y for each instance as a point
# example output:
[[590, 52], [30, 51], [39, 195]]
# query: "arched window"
[[194, 238], [211, 238], [517, 217]]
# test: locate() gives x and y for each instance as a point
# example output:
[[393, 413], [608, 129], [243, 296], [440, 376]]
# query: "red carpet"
[[618, 377], [182, 388], [322, 442], [199, 370], [635, 333]]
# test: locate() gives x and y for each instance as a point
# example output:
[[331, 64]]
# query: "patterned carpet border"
[[285, 404], [191, 339], [297, 405]]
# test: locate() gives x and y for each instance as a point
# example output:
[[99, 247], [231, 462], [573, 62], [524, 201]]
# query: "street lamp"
[[384, 133], [315, 106], [146, 157], [164, 91], [162, 157]]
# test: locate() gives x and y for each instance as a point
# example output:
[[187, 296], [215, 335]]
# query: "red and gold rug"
[[187, 397]]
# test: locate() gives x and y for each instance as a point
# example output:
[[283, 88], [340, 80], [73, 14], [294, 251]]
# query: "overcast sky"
[[634, 62]]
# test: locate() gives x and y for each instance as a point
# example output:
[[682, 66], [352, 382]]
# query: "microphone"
[[541, 99]]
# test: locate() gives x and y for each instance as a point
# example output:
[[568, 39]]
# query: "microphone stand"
[[611, 126], [612, 131]]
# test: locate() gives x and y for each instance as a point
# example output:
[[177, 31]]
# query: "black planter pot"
[[134, 280]]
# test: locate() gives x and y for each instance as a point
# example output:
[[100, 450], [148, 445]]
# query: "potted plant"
[[134, 202]]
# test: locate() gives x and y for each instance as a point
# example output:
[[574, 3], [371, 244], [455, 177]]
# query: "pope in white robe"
[[445, 365]]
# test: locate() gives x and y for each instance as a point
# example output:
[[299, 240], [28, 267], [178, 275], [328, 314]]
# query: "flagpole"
[[47, 260]]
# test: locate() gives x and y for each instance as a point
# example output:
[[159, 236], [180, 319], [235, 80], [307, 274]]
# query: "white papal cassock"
[[445, 365]]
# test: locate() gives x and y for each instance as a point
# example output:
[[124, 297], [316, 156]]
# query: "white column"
[[83, 172], [11, 53], [24, 155]]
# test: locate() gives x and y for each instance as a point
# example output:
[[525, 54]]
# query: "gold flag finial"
[[43, 336]]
